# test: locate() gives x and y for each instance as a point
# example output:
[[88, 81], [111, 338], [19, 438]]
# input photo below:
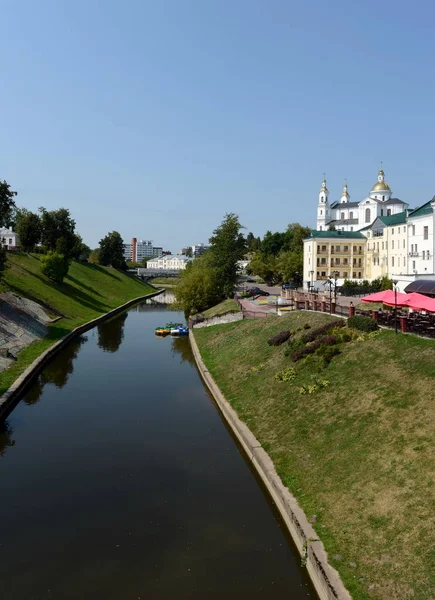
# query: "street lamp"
[[331, 281], [395, 282], [312, 277]]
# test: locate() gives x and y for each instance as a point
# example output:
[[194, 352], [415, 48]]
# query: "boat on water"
[[180, 330], [162, 331], [172, 329]]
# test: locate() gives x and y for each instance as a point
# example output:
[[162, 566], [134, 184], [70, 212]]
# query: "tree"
[[253, 243], [3, 260], [58, 231], [332, 228], [189, 252], [29, 229], [112, 251], [80, 251], [7, 204], [227, 246], [55, 266], [199, 287], [94, 256]]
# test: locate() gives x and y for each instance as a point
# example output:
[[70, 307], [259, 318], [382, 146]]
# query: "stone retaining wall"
[[228, 318], [325, 578], [10, 398]]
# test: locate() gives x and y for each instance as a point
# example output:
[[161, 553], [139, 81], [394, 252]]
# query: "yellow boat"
[[162, 331]]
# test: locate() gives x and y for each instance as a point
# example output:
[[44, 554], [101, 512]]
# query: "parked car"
[[289, 286], [257, 292]]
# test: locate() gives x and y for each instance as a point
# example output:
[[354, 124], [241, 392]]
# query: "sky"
[[156, 118]]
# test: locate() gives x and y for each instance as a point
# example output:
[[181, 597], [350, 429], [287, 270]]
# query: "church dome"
[[381, 186]]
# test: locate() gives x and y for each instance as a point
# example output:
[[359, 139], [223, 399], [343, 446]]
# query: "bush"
[[279, 338], [326, 340], [362, 323], [310, 337], [307, 326], [285, 375], [328, 353], [55, 266], [3, 259]]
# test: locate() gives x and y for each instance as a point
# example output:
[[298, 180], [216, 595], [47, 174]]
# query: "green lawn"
[[87, 292], [165, 281], [358, 454], [221, 308]]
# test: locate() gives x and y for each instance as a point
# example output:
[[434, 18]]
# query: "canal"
[[120, 481]]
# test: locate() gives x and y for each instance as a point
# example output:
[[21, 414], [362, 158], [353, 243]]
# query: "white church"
[[346, 215]]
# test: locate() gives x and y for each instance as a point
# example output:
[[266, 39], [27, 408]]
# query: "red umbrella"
[[387, 297], [420, 302]]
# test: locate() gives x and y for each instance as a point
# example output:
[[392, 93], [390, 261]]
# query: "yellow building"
[[387, 246], [334, 252]]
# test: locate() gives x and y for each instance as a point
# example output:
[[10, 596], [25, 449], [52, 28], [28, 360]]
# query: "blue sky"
[[156, 118]]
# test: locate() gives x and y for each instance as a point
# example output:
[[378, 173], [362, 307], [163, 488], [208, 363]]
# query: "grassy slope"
[[357, 454], [221, 308], [88, 291], [165, 281]]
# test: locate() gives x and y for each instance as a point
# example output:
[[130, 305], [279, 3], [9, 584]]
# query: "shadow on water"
[[182, 347], [111, 333], [6, 440]]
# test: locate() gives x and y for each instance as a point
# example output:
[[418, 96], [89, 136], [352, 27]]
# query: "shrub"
[[307, 326], [55, 266], [285, 375], [362, 323], [326, 341], [328, 353], [3, 259], [279, 338], [310, 337]]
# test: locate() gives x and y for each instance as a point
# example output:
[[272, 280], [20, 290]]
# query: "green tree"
[[55, 266], [189, 252], [199, 287], [7, 204], [112, 251], [3, 260], [332, 228], [227, 246], [80, 251], [29, 229], [265, 267], [253, 243], [58, 231]]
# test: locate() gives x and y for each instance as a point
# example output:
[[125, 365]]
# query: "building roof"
[[6, 231], [337, 203], [396, 219], [393, 201], [179, 257], [422, 286], [424, 209], [337, 234], [343, 222]]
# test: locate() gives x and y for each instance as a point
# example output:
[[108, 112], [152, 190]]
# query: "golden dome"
[[381, 186]]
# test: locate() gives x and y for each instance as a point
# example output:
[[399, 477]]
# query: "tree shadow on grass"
[[100, 269], [83, 285]]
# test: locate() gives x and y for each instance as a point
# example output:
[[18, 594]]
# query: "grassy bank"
[[221, 308], [87, 292], [165, 281], [357, 454]]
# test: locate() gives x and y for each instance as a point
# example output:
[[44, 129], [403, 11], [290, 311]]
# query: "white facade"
[[8, 238], [421, 240], [346, 215], [169, 262]]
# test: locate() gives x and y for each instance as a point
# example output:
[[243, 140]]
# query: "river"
[[120, 481]]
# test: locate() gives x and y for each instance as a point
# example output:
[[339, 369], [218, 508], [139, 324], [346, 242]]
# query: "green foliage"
[[54, 266], [3, 260], [227, 246], [7, 204], [189, 252], [279, 338], [288, 374], [332, 228], [94, 256], [362, 323], [307, 326], [253, 243], [112, 251], [29, 228], [328, 353], [199, 287], [58, 231], [353, 288]]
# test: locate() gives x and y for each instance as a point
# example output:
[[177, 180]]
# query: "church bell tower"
[[323, 216]]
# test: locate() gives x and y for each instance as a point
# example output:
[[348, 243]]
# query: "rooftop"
[[350, 235], [396, 219], [425, 209]]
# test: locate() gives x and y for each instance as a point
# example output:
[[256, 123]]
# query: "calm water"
[[119, 480]]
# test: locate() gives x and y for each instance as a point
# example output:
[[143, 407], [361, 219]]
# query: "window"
[[416, 247], [321, 212], [309, 260], [351, 215], [412, 247], [389, 212], [323, 273], [320, 228], [403, 243], [392, 244], [359, 274], [345, 261], [337, 248], [323, 248], [10, 241], [354, 275], [367, 215], [398, 230], [425, 232], [344, 274], [383, 197], [404, 261], [360, 248], [382, 212], [413, 265], [392, 231], [345, 248], [413, 230], [392, 261], [318, 248], [424, 254], [377, 246], [382, 245], [404, 228], [342, 216]]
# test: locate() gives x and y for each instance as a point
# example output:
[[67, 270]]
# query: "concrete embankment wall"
[[229, 318], [325, 578], [9, 399]]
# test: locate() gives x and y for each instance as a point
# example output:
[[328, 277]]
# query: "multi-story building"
[[346, 215], [8, 238], [387, 246], [421, 239], [169, 262], [340, 252], [197, 249], [138, 250]]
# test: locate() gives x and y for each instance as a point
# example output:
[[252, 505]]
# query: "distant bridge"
[[149, 273]]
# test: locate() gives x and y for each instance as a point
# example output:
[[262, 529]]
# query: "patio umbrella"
[[387, 297], [418, 301]]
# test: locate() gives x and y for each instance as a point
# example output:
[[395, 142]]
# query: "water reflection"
[[182, 347], [61, 367], [5, 438], [111, 333]]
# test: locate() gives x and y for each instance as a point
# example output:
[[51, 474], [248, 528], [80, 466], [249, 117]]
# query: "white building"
[[421, 239], [8, 238], [138, 250], [169, 262], [346, 215]]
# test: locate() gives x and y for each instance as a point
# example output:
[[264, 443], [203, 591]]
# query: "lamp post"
[[395, 282], [312, 277]]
